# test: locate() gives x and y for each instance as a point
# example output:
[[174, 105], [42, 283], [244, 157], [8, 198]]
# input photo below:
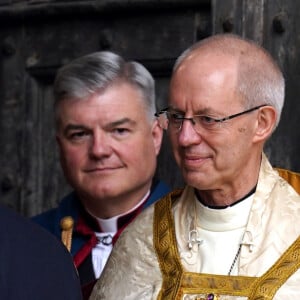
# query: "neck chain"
[[235, 259], [194, 239]]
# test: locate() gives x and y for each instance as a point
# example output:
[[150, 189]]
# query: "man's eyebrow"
[[120, 122], [204, 111], [70, 127]]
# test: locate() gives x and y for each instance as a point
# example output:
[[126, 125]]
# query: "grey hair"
[[260, 80], [95, 72]]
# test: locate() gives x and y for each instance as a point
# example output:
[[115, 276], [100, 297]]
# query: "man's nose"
[[100, 145], [187, 134]]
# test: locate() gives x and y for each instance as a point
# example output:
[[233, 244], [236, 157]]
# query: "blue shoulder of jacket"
[[50, 219], [159, 190]]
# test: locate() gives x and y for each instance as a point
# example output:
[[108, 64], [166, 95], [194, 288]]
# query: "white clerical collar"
[[111, 224], [225, 219]]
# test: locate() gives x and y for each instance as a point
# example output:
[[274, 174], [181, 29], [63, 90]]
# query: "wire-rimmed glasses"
[[169, 118]]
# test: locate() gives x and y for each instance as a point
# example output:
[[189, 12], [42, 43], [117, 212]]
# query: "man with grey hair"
[[233, 231], [109, 140]]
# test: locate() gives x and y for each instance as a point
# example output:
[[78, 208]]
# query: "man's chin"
[[97, 192], [105, 193], [197, 179]]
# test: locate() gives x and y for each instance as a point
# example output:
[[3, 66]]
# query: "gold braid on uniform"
[[66, 225]]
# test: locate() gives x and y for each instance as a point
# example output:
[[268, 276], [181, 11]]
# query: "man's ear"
[[157, 135], [266, 120]]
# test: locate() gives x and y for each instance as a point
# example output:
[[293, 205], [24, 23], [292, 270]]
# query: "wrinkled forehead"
[[205, 82], [203, 61], [205, 70]]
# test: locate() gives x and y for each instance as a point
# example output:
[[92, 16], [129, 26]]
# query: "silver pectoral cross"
[[194, 239]]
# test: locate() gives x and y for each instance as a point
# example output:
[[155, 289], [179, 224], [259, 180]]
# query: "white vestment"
[[135, 268]]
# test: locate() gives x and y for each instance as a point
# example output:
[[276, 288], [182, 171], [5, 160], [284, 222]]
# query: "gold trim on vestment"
[[177, 283], [164, 239], [291, 177]]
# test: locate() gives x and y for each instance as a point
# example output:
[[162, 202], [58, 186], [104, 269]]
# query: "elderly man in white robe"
[[233, 231]]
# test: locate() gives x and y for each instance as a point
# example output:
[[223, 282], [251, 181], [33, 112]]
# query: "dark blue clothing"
[[34, 265], [71, 206]]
